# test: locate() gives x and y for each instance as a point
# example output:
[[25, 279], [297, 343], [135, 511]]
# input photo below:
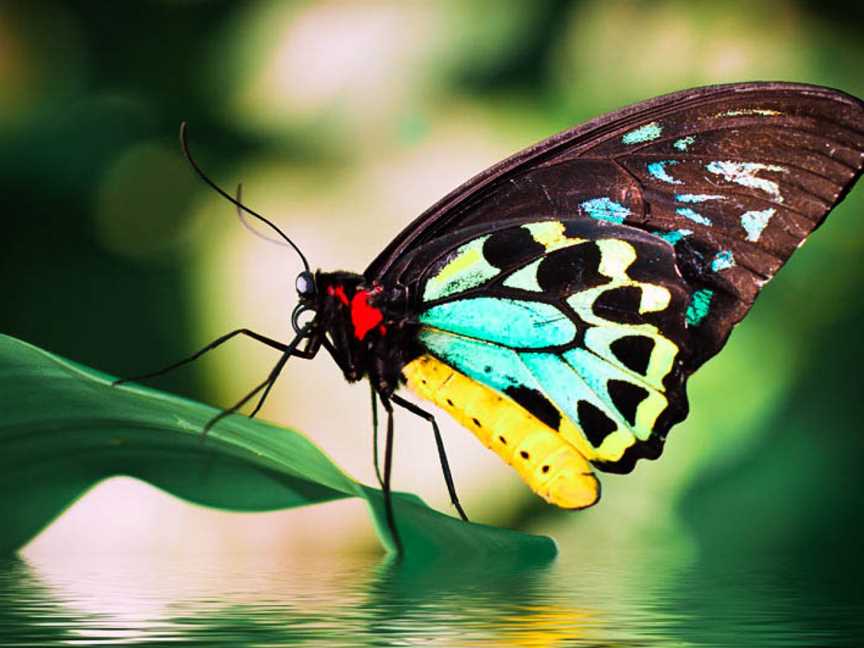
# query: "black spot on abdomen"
[[594, 423], [511, 247], [537, 404], [634, 352], [626, 397], [572, 269]]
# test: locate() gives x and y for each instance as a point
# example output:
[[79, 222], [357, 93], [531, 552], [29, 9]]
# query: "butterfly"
[[556, 304]]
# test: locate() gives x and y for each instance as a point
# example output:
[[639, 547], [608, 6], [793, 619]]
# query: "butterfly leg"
[[385, 482], [375, 436], [289, 351], [439, 442], [215, 343], [271, 378]]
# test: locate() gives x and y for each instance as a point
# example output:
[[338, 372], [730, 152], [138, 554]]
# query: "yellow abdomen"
[[551, 466]]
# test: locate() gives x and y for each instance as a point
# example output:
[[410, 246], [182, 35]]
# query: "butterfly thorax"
[[365, 326]]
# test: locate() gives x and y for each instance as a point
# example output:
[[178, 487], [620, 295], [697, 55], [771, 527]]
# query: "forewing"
[[582, 323], [735, 177]]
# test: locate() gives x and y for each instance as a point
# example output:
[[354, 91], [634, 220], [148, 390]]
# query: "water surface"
[[350, 600]]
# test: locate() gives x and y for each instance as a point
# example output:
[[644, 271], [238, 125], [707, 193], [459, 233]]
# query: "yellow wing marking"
[[467, 268], [616, 257], [550, 234], [550, 466]]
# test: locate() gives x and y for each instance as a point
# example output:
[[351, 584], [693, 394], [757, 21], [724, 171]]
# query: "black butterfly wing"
[[734, 176]]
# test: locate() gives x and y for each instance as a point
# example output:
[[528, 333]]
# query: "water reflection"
[[360, 600]]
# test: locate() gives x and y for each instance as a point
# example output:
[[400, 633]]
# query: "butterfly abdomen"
[[552, 467]]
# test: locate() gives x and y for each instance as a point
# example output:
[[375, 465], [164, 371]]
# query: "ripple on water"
[[358, 600]]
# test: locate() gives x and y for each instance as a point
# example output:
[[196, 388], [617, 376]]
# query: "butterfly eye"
[[305, 284]]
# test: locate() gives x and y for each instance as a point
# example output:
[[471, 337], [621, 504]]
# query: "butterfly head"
[[335, 297], [306, 287], [307, 296]]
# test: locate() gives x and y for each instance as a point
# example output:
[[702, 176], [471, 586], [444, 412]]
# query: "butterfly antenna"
[[184, 144], [241, 215]]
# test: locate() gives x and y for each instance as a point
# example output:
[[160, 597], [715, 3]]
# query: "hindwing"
[[581, 323]]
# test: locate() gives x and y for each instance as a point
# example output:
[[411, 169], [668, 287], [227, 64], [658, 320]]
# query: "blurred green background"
[[345, 120]]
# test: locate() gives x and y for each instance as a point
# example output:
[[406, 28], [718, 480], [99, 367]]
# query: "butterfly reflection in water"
[[556, 303]]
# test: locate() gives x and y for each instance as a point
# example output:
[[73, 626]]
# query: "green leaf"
[[63, 428]]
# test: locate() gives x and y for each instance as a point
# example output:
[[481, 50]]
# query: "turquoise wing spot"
[[566, 388], [697, 198], [694, 216], [658, 170], [754, 222], [723, 260], [511, 322], [605, 209], [463, 270], [684, 143], [495, 366], [646, 133], [674, 236], [745, 174], [700, 305]]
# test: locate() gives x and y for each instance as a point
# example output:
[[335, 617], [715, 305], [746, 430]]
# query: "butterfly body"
[[545, 298], [369, 334]]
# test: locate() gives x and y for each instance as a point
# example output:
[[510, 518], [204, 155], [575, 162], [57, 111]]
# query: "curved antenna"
[[185, 146], [245, 223]]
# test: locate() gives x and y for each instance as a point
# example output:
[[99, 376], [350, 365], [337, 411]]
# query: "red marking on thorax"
[[339, 292], [364, 316]]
